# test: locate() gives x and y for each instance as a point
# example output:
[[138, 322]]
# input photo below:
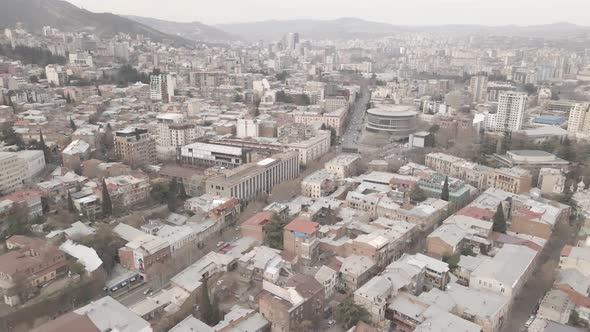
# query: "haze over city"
[[417, 12], [295, 166]]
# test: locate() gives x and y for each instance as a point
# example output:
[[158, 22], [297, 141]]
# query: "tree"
[[499, 220], [107, 205], [182, 191], [434, 128], [71, 206], [209, 311], [273, 233], [172, 199], [348, 314], [77, 268], [44, 147], [444, 195], [282, 76], [73, 124], [530, 88], [11, 137], [160, 192], [566, 151], [452, 260], [417, 194], [106, 244]]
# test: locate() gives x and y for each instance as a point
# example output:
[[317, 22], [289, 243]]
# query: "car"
[[220, 243], [147, 291]]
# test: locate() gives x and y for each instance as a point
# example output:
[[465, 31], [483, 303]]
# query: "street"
[[356, 120], [542, 278]]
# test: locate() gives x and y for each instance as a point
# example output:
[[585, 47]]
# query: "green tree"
[[73, 124], [452, 260], [444, 195], [107, 205], [566, 151], [434, 128], [106, 244], [71, 206], [273, 233], [499, 220], [348, 314], [417, 194], [282, 76], [43, 146], [160, 192], [209, 310], [172, 199], [11, 137]]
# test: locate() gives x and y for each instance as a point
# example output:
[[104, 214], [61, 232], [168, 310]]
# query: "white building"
[[343, 165], [510, 113], [313, 148], [14, 172], [162, 87], [55, 75], [81, 59], [506, 272], [247, 128], [478, 88], [35, 161], [579, 119]]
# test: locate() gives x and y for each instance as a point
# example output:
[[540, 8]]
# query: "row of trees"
[[31, 55], [299, 99]]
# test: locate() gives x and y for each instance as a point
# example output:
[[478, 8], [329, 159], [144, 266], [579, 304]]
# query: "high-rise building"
[[579, 119], [135, 147], [478, 88], [510, 113], [14, 172], [162, 87]]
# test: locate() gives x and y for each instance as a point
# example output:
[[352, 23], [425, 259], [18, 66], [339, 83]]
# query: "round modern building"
[[395, 119]]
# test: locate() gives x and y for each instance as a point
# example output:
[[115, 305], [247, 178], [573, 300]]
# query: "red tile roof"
[[259, 218], [302, 225], [22, 195], [566, 251], [476, 212]]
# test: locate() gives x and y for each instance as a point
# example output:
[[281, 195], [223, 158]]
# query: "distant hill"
[[34, 14], [346, 28], [196, 31]]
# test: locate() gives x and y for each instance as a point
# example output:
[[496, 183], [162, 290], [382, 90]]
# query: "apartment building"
[[162, 87], [247, 181], [32, 261], [313, 148], [206, 154], [344, 165], [135, 147], [510, 113], [579, 119], [334, 120], [318, 184], [300, 240], [478, 88], [14, 172]]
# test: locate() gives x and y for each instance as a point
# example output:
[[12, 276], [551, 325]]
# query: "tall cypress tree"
[[444, 195], [44, 147], [71, 206], [72, 124], [107, 205], [173, 195], [499, 220]]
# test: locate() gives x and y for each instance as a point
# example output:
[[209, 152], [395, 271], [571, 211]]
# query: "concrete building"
[[313, 148], [301, 299], [532, 160], [74, 154], [14, 172], [247, 128], [334, 120], [105, 314], [344, 165], [247, 181], [162, 87], [135, 147], [398, 120], [35, 161], [56, 75], [30, 261], [205, 154], [556, 306], [506, 272], [318, 184], [81, 59], [254, 226], [551, 181], [510, 113], [300, 240], [356, 271], [478, 88], [579, 119]]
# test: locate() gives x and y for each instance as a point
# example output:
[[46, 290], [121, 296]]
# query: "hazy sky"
[[405, 12]]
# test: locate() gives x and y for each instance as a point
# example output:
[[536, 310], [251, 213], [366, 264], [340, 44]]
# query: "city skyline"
[[415, 13]]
